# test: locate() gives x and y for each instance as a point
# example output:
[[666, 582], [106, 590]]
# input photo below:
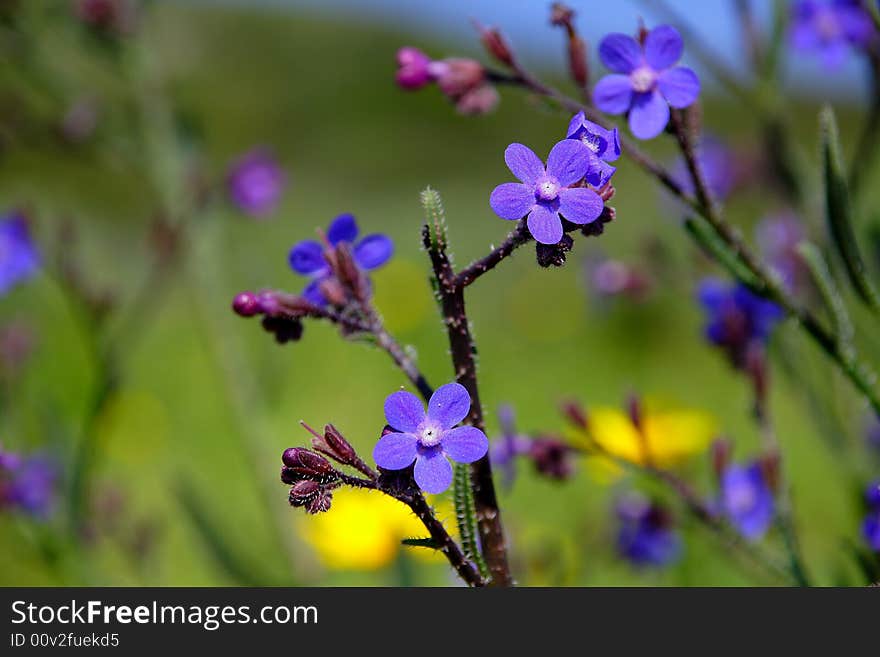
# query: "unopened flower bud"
[[333, 291], [635, 411], [576, 414], [340, 447], [268, 303], [495, 44], [561, 15], [285, 329], [302, 463], [552, 458], [457, 76], [310, 495], [245, 304], [720, 452], [481, 100], [771, 465], [577, 60], [413, 68]]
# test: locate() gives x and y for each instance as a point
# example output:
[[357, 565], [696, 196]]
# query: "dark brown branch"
[[518, 236], [462, 349]]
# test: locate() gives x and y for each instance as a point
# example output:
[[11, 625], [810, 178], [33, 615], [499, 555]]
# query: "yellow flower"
[[671, 435], [363, 530]]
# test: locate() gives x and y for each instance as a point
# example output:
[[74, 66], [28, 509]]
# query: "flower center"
[[643, 79], [430, 436], [547, 189]]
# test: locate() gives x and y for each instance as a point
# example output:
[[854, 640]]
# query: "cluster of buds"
[[311, 477], [464, 81], [282, 313], [552, 457], [554, 255]]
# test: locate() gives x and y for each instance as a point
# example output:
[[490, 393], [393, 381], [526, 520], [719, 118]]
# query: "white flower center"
[[430, 436], [591, 142], [643, 79], [547, 189]]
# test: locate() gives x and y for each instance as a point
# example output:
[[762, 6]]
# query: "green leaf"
[[831, 297], [839, 210]]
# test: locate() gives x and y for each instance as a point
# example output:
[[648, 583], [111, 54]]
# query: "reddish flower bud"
[[552, 458], [577, 60], [246, 304], [561, 15], [495, 44], [720, 452], [333, 291], [771, 466], [302, 463], [340, 447], [576, 414], [413, 68], [456, 76]]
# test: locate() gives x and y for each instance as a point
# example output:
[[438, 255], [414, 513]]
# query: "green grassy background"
[[208, 401]]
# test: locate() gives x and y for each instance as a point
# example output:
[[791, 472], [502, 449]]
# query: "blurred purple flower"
[[27, 483], [736, 317], [871, 524], [612, 278], [830, 28], [746, 500], [307, 257], [429, 438], [256, 182], [601, 146], [646, 81], [544, 193], [646, 536], [778, 237], [19, 258], [717, 165], [510, 445]]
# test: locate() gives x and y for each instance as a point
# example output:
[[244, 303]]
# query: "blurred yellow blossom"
[[669, 435], [363, 530]]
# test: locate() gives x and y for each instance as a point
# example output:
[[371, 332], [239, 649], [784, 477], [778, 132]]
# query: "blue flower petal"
[[373, 251], [620, 53], [395, 451], [465, 444], [433, 472], [307, 258], [342, 229], [663, 47], [449, 405], [404, 411]]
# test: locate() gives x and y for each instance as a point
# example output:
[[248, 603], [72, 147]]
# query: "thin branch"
[[517, 237]]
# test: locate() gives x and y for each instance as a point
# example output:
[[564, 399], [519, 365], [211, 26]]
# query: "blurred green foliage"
[[192, 438]]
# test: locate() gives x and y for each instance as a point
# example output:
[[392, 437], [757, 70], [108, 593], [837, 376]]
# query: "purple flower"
[[307, 257], [256, 182], [19, 258], [871, 524], [872, 495], [510, 445], [736, 317], [746, 500], [414, 68], [779, 236], [646, 536], [429, 438], [463, 81], [718, 167], [646, 81], [544, 192], [27, 484], [600, 145], [829, 29]]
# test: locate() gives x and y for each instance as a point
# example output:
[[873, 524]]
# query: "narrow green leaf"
[[839, 210], [831, 297], [466, 514], [720, 252]]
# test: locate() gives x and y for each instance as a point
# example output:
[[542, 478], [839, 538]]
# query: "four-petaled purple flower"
[[746, 500], [646, 81], [871, 524], [545, 192], [256, 182], [601, 146], [830, 29], [307, 257], [646, 536], [429, 438], [19, 258], [737, 318], [27, 483]]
